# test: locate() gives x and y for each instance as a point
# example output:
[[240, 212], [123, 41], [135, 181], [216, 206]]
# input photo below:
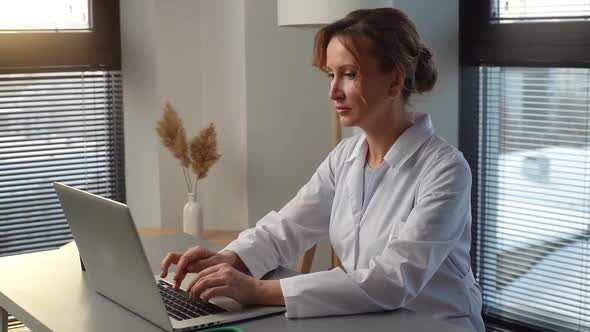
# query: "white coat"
[[410, 248]]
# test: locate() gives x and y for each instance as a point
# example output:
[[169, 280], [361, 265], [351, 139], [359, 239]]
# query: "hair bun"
[[425, 53], [426, 72]]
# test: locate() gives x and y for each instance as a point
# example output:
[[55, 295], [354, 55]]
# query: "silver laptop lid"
[[114, 258]]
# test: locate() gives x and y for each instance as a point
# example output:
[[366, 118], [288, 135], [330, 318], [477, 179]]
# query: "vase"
[[192, 216]]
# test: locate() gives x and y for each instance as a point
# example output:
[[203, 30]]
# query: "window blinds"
[[532, 195], [14, 325], [67, 127]]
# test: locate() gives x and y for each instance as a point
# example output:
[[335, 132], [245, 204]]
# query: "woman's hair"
[[392, 40]]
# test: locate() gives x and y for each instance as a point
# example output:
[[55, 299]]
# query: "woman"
[[395, 200]]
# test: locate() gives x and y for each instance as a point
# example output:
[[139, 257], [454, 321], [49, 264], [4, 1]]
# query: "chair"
[[306, 260]]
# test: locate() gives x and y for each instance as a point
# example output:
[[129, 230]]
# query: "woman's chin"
[[347, 121]]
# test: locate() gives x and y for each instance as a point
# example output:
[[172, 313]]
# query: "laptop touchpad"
[[226, 303]]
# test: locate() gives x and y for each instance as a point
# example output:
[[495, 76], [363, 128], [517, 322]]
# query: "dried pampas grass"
[[204, 151], [173, 136], [203, 148]]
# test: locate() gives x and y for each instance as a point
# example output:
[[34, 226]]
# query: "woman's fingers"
[[192, 255], [171, 258], [197, 259], [203, 264], [202, 274], [189, 259], [210, 281], [223, 279], [219, 272], [215, 275]]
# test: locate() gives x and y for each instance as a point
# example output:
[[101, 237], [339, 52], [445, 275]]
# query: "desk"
[[48, 292]]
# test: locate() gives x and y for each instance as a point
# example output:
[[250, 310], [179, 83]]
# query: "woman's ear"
[[396, 83]]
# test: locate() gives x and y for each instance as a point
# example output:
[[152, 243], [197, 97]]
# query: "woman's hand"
[[224, 280], [197, 259]]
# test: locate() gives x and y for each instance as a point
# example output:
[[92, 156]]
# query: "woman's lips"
[[342, 110]]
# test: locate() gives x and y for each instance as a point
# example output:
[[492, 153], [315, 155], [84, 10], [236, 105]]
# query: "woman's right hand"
[[197, 259]]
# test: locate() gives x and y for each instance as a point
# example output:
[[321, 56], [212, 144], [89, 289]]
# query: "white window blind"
[[66, 127], [533, 195], [523, 11], [14, 325]]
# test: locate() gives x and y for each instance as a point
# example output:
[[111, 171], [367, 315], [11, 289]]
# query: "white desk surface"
[[48, 292]]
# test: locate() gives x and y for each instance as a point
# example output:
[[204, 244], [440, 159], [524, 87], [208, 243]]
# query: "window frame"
[[520, 44], [80, 144]]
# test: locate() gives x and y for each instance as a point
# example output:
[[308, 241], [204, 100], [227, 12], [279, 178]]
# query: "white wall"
[[439, 28], [178, 79], [223, 102], [288, 114], [288, 109], [139, 88]]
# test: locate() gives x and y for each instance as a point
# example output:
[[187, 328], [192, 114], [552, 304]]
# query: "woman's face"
[[354, 108]]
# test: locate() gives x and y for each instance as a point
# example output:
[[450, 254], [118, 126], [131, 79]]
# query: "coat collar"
[[405, 146]]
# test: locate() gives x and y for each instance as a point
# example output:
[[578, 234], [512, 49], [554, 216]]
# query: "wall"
[[439, 28], [139, 81], [288, 109], [288, 113], [223, 102], [178, 79]]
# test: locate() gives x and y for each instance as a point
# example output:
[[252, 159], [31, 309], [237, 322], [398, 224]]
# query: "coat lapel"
[[355, 183]]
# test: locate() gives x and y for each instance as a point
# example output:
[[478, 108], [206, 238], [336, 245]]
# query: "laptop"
[[117, 268]]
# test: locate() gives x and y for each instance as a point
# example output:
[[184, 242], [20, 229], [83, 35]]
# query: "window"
[[60, 116], [67, 33], [526, 11], [19, 15], [534, 175], [63, 126], [525, 130]]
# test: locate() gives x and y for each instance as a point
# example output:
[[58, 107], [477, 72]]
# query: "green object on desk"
[[225, 329]]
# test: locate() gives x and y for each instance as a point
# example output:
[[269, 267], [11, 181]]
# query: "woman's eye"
[[350, 76], [330, 76]]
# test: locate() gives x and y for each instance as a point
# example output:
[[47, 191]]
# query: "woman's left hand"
[[224, 280]]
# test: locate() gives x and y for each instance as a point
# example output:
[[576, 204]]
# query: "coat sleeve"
[[407, 263], [280, 238]]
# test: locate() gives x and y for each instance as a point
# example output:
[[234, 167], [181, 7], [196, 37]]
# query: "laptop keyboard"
[[180, 307]]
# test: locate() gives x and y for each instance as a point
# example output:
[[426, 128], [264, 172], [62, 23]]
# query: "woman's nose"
[[335, 92]]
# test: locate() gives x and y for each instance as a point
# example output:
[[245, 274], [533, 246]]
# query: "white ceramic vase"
[[192, 216]]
